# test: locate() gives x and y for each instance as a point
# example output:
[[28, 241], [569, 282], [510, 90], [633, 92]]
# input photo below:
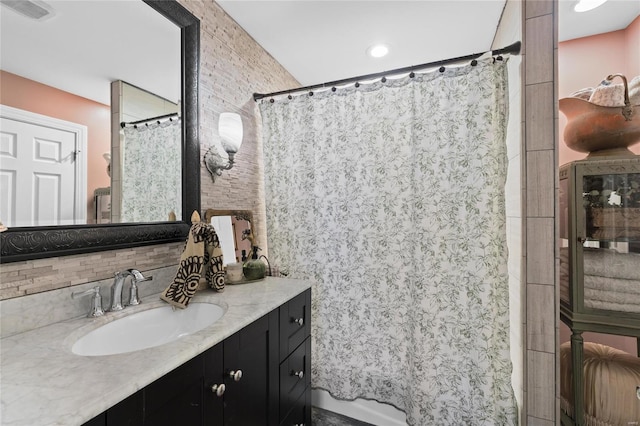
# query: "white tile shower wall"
[[232, 67], [510, 30]]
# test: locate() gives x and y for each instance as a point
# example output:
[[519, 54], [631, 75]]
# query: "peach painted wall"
[[632, 34], [584, 62], [28, 95]]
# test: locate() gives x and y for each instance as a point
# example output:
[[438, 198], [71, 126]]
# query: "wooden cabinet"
[[174, 399], [599, 250], [295, 361], [242, 364], [259, 376]]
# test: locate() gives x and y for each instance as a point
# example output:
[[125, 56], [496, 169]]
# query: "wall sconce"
[[230, 130]]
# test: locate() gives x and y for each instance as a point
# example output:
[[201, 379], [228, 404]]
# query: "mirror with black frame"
[[156, 20]]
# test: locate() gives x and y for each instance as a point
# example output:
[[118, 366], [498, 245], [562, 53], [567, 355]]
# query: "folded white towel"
[[613, 285], [612, 297], [610, 263], [612, 306]]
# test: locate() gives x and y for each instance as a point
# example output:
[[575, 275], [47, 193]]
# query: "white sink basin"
[[147, 329]]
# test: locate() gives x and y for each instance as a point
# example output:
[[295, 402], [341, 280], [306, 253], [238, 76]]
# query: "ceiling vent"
[[33, 9]]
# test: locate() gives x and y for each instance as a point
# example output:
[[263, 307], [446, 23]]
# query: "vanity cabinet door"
[[100, 420], [248, 400], [295, 323], [176, 398], [295, 357], [129, 412], [214, 386]]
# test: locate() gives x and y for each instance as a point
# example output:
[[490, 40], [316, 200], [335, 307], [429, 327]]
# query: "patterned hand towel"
[[202, 251]]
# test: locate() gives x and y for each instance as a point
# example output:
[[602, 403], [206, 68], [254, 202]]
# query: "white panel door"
[[38, 175]]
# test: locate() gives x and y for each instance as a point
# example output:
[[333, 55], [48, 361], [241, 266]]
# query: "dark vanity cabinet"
[[238, 384], [258, 376], [295, 361]]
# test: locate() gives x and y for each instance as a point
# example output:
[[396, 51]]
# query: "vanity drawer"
[[300, 414], [295, 323], [295, 376]]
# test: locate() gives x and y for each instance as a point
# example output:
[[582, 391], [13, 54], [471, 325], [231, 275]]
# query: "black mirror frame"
[[26, 243]]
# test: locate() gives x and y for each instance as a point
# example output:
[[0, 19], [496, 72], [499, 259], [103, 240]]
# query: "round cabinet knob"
[[299, 321], [235, 375], [299, 374], [218, 389]]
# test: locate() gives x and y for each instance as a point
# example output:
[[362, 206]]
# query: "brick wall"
[[232, 67]]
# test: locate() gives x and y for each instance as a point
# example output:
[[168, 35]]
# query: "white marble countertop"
[[43, 383]]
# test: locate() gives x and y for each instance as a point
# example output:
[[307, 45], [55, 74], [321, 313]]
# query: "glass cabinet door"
[[608, 233]]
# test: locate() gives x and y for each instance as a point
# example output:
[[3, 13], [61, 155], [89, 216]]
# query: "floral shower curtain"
[[390, 198], [152, 172]]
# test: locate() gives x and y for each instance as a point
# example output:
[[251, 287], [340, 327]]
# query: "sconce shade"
[[230, 130]]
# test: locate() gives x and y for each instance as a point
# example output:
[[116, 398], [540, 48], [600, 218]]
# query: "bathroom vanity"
[[251, 367]]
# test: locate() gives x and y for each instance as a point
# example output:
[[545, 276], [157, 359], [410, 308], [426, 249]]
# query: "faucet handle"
[[96, 301], [134, 299], [137, 277]]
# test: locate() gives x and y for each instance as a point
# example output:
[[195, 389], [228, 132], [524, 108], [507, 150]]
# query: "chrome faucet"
[[96, 301], [118, 283]]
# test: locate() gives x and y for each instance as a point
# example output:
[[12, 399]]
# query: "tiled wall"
[[232, 67], [540, 189]]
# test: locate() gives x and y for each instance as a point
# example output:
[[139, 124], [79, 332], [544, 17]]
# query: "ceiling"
[[85, 45], [321, 40], [317, 41]]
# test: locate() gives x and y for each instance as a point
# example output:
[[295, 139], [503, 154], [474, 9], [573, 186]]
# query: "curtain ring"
[[441, 69], [271, 100], [310, 93], [474, 63], [289, 97], [384, 79], [412, 74], [333, 89], [357, 84]]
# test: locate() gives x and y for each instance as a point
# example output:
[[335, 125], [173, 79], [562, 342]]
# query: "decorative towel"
[[202, 251], [612, 95]]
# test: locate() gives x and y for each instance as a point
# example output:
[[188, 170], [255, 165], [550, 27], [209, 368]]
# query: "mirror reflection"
[[64, 156], [232, 227]]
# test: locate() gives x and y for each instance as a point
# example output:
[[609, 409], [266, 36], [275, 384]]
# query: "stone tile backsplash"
[[26, 313], [42, 275]]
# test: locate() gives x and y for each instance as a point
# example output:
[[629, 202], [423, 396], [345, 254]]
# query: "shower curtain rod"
[[146, 121], [513, 49]]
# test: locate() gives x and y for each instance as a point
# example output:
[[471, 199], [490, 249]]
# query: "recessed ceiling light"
[[378, 50], [585, 5], [34, 9]]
